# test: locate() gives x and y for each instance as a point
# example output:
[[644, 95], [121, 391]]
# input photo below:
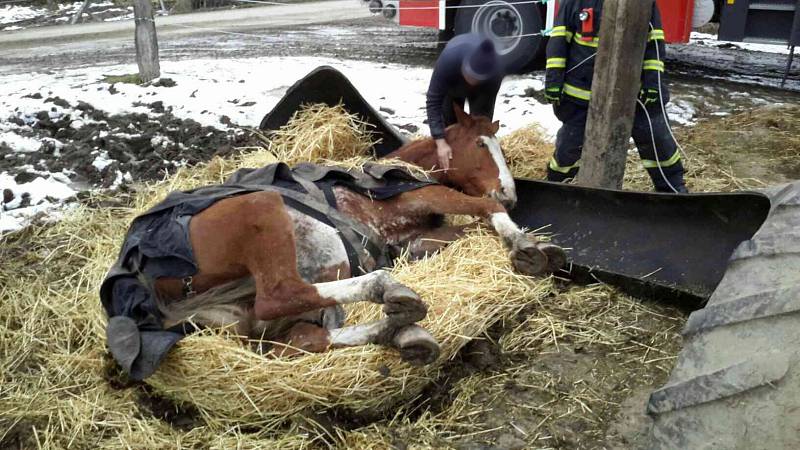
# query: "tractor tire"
[[514, 25], [736, 383]]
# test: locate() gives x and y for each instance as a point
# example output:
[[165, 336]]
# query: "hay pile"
[[61, 389], [319, 132], [528, 150]]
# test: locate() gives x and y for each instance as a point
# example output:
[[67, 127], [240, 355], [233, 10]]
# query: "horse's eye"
[[480, 143]]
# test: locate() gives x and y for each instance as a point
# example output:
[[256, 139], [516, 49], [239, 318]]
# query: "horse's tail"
[[221, 306]]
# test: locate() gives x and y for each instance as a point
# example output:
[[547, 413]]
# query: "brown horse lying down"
[[271, 271]]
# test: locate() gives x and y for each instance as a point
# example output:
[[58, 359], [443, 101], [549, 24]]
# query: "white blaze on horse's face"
[[508, 191]]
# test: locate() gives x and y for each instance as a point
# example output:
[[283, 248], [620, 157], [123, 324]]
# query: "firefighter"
[[467, 70], [570, 66]]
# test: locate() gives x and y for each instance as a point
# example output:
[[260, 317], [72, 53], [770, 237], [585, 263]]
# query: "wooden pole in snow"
[[146, 41], [615, 88]]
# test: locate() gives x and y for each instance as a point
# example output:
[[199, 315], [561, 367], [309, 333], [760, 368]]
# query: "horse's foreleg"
[[528, 254]]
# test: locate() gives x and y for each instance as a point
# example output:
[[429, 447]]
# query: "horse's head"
[[478, 167]]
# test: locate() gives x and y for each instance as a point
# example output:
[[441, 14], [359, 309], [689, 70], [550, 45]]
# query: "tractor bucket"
[[647, 244]]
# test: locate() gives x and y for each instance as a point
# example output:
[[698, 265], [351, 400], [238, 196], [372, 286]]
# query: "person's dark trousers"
[[481, 102], [564, 164]]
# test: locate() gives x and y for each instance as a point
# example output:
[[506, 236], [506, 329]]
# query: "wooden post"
[[146, 41], [615, 88]]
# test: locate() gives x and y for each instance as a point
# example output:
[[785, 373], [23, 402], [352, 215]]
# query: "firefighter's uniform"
[[570, 67]]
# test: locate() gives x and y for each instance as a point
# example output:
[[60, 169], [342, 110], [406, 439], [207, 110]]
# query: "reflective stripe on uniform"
[[593, 42], [650, 164], [562, 169], [556, 63], [561, 31], [657, 35], [653, 64], [574, 91]]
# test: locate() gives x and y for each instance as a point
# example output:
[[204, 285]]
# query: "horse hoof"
[[403, 306], [528, 259], [417, 346], [556, 258]]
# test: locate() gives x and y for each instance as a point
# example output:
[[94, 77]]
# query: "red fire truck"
[[520, 27]]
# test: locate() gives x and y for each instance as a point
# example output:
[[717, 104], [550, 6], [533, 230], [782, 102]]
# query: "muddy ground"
[[137, 146]]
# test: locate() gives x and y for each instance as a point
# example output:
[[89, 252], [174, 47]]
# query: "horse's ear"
[[495, 126], [463, 118]]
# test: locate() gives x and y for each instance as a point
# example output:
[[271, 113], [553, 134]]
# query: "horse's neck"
[[421, 153]]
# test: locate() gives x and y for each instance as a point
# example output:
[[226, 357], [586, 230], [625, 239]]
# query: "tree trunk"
[[146, 41], [77, 16], [617, 79]]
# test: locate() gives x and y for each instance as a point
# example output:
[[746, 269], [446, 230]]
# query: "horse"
[[270, 270]]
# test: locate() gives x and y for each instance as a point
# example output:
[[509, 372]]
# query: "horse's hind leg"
[[416, 346], [402, 305]]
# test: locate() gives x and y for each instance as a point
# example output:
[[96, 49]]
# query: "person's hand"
[[649, 96], [552, 94], [443, 153]]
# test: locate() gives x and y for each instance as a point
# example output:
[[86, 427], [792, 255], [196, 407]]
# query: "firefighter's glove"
[[553, 93], [649, 96]]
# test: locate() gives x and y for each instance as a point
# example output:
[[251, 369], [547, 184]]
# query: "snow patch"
[[19, 143], [13, 13], [44, 194], [102, 161]]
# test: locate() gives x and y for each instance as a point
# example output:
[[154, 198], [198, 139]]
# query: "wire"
[[655, 148], [262, 37], [581, 63]]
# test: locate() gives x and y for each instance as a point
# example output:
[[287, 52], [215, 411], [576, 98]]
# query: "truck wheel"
[[736, 383], [514, 25]]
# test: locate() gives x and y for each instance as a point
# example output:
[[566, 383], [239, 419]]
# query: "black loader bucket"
[[647, 244]]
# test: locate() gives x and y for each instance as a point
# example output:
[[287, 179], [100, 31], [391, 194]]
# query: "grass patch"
[[131, 78]]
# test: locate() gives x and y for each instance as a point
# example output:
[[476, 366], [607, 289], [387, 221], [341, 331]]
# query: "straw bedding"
[[61, 376], [59, 388]]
